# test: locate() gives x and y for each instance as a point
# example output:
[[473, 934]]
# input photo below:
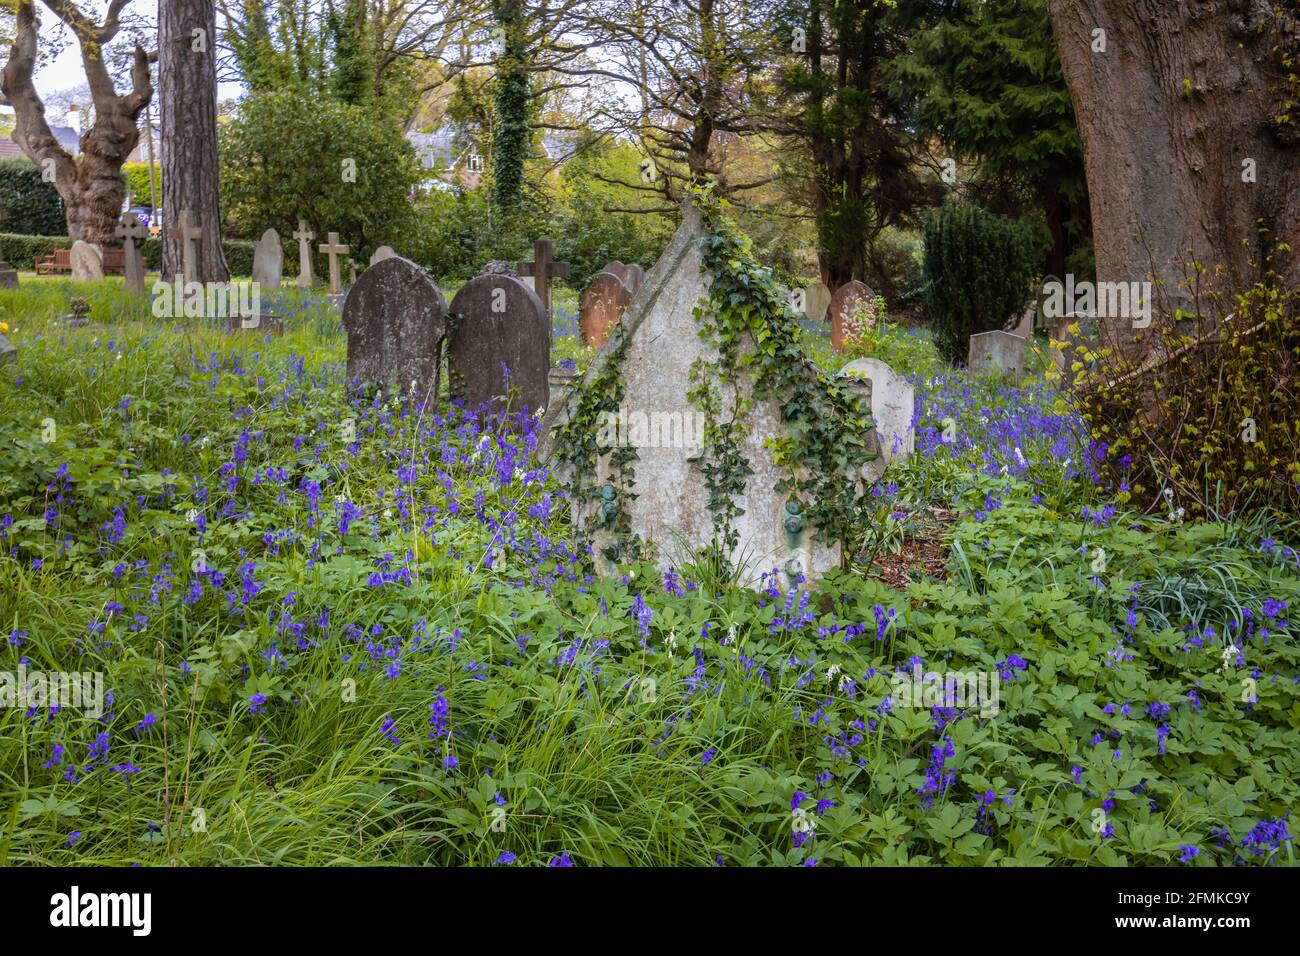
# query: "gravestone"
[[334, 250], [667, 498], [8, 276], [500, 351], [87, 262], [1023, 324], [306, 270], [131, 230], [395, 318], [816, 300], [542, 269], [892, 402], [191, 236], [268, 262], [8, 351], [848, 298], [997, 353], [382, 253], [632, 275], [602, 303]]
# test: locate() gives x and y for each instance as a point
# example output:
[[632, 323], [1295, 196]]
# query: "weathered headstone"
[[8, 276], [632, 275], [1023, 324], [667, 500], [816, 299], [847, 299], [382, 253], [500, 350], [131, 230], [87, 262], [335, 249], [893, 405], [997, 353], [602, 303], [542, 269], [268, 262], [8, 351], [395, 318], [191, 236], [306, 271]]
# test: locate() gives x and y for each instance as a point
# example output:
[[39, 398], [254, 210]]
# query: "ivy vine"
[[748, 322]]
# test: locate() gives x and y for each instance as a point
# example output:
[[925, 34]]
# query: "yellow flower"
[[4, 326]]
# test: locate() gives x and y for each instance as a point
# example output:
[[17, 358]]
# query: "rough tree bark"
[[91, 186], [187, 94], [1184, 102]]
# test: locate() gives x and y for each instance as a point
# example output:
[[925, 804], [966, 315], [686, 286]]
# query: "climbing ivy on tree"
[[512, 134]]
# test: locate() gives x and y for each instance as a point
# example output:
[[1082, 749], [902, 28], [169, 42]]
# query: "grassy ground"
[[341, 631]]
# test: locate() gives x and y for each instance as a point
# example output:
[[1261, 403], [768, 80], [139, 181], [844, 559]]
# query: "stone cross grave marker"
[[667, 499], [382, 253], [131, 230], [306, 271], [268, 263], [500, 350], [997, 353], [603, 302], [87, 262], [395, 318], [846, 300], [893, 405], [335, 249], [191, 235], [542, 269]]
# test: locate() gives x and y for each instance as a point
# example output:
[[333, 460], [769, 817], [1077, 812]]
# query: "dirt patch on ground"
[[923, 553]]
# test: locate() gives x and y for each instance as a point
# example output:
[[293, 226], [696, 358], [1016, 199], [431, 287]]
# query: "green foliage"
[[895, 262], [750, 322], [21, 252], [1211, 426], [136, 176], [512, 134], [986, 79], [622, 721], [978, 271], [28, 204], [283, 157]]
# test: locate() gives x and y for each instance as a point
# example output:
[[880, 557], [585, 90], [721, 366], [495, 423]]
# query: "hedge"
[[21, 252], [28, 204]]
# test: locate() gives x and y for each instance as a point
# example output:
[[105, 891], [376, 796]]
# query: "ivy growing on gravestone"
[[748, 320]]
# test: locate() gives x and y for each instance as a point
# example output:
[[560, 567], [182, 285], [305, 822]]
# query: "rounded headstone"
[[603, 303], [395, 317], [847, 299], [268, 261], [87, 262], [500, 350]]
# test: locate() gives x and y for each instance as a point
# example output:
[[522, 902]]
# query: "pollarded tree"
[[91, 184], [1191, 138]]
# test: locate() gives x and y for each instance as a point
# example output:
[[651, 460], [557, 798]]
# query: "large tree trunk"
[[1183, 96], [91, 188], [187, 92]]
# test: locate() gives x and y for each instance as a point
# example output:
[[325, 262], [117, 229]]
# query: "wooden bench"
[[60, 260]]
